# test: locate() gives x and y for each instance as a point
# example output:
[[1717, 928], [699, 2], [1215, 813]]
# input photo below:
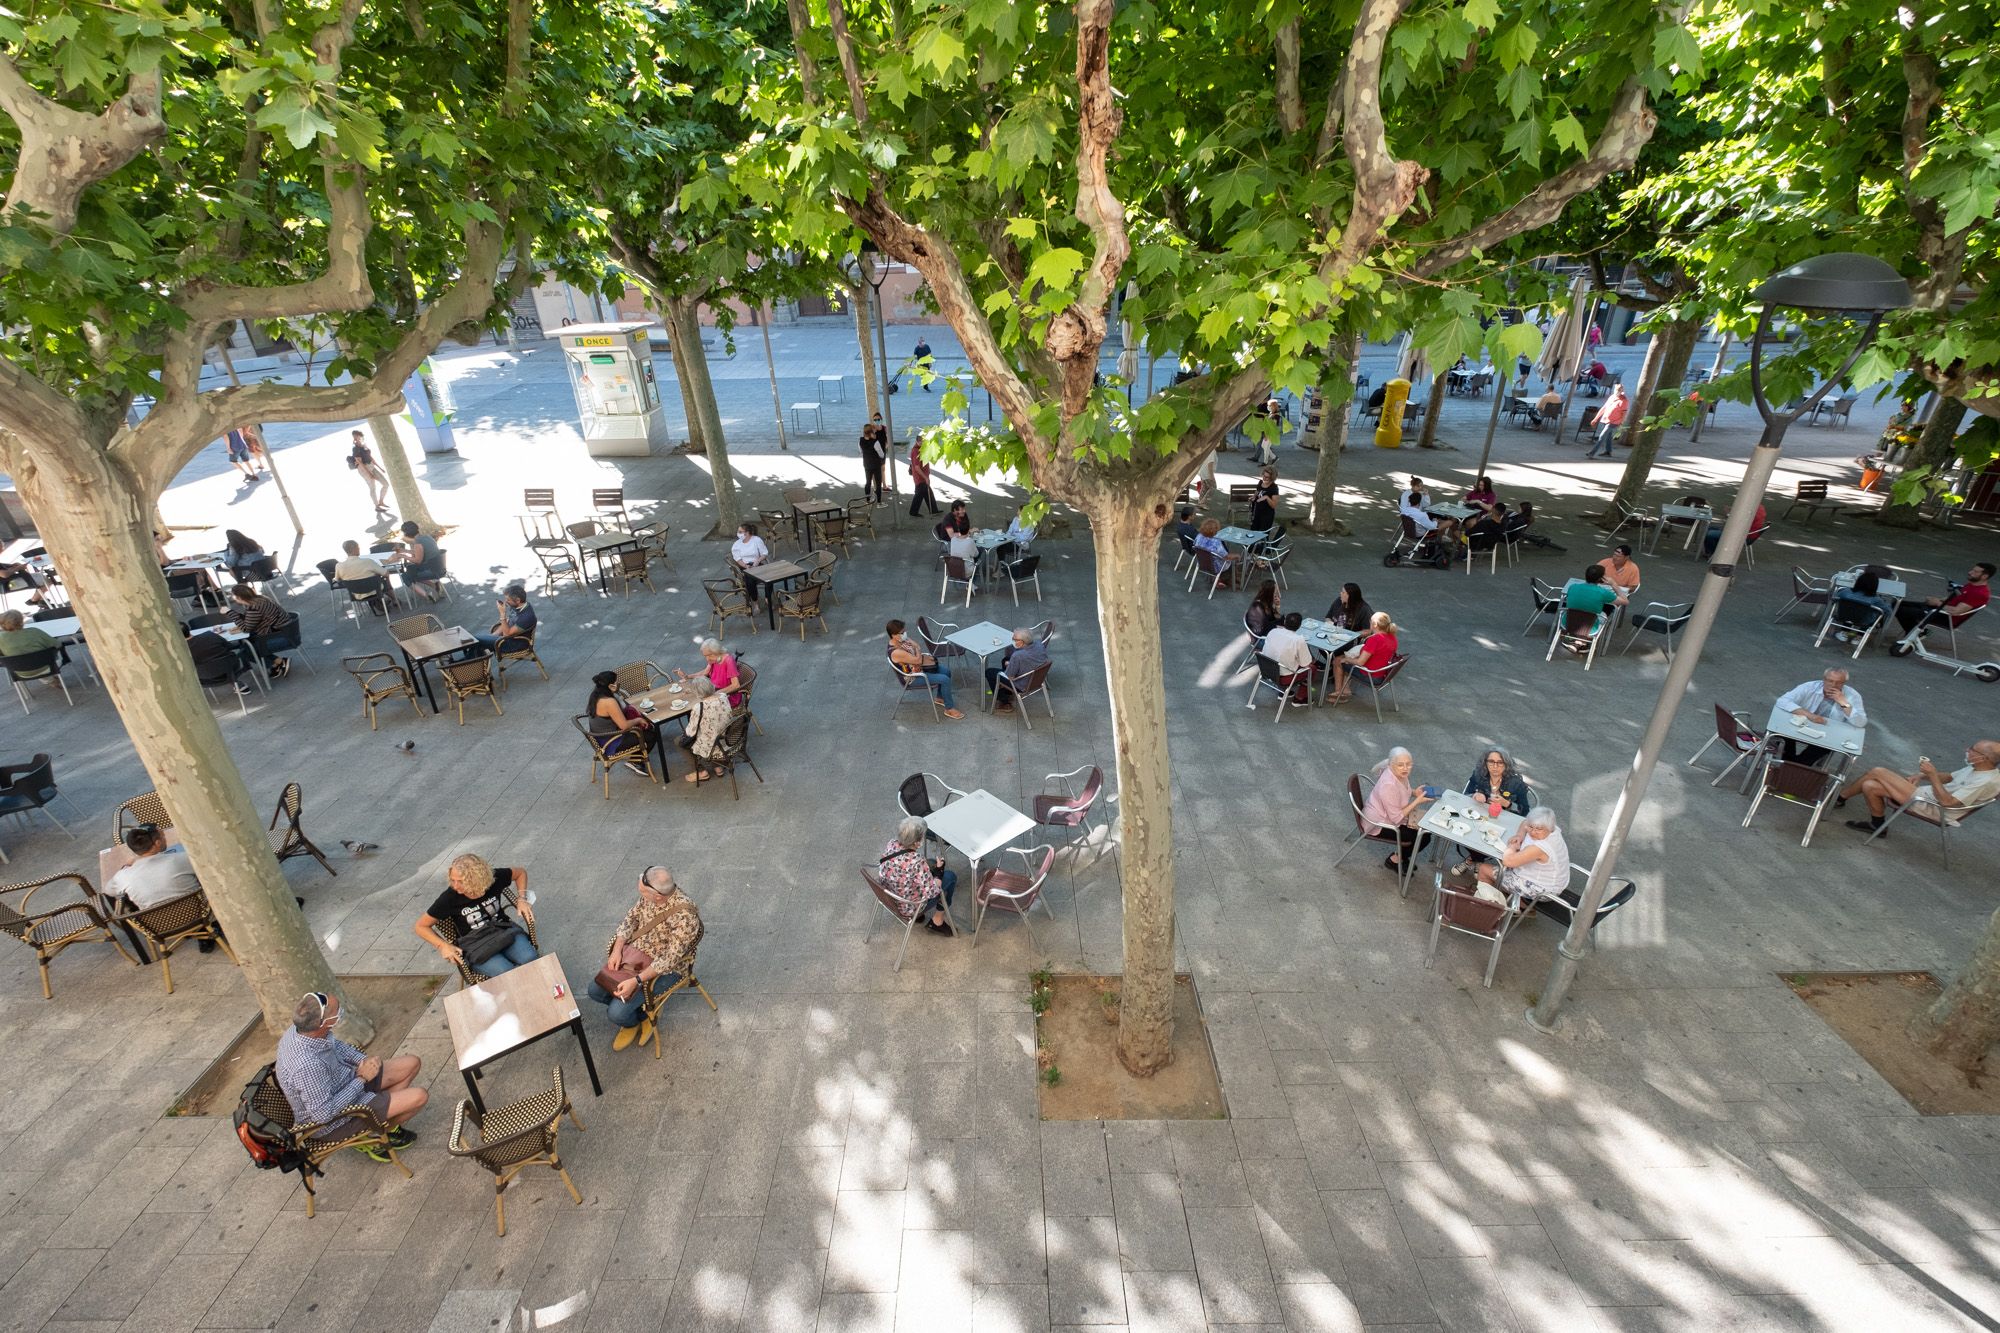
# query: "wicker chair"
[[558, 563], [831, 530], [727, 602], [291, 840], [171, 924], [656, 997], [609, 502], [470, 680], [447, 930], [859, 521], [381, 678], [802, 604], [775, 525], [638, 677], [733, 747], [609, 750], [355, 1127], [409, 627], [516, 1137], [653, 535], [143, 809], [631, 569], [504, 656], [818, 566], [50, 929]]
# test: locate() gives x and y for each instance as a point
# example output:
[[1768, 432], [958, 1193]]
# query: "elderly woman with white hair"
[[1394, 803], [1536, 862], [720, 668], [705, 724], [925, 885]]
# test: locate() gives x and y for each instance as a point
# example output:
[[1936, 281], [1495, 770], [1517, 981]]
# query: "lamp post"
[[875, 276], [1834, 283]]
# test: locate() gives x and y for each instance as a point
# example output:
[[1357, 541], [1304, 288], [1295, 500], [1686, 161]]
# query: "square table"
[[1462, 821], [1323, 638], [63, 629], [977, 824], [1244, 537], [1840, 737], [981, 641], [664, 701], [772, 572], [811, 509], [602, 545], [1693, 515], [517, 1008], [838, 384], [419, 650], [1458, 513], [1893, 589]]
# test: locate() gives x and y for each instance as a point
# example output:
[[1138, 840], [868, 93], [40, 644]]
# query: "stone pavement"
[[846, 1147]]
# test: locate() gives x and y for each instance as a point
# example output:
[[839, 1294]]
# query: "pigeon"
[[360, 848], [407, 747]]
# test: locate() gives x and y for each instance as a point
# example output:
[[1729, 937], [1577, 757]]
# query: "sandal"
[[953, 714]]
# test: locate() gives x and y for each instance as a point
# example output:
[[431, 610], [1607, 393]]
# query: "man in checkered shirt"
[[321, 1076]]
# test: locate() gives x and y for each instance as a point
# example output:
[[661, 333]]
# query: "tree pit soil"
[[1079, 1039], [395, 1003], [1870, 1011]]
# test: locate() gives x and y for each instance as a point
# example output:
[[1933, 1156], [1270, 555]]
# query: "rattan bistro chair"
[[171, 924], [447, 930], [381, 678], [409, 627], [470, 680], [355, 1127], [522, 649], [726, 603], [49, 928], [802, 605], [516, 1137], [830, 530], [291, 840], [630, 569], [558, 563], [145, 808], [614, 749], [656, 997]]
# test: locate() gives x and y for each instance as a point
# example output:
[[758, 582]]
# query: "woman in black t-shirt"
[[1264, 502], [476, 905]]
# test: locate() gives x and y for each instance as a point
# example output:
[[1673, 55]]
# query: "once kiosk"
[[611, 373]]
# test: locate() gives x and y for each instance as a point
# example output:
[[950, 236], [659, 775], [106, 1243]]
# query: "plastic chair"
[[631, 568], [312, 1142], [733, 747], [726, 602], [1797, 784], [1015, 891], [145, 808], [409, 627], [447, 930], [522, 649], [31, 786], [557, 564], [655, 996], [516, 1137], [1737, 736], [42, 664]]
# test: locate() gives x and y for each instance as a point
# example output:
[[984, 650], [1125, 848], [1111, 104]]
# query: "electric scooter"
[[1913, 643]]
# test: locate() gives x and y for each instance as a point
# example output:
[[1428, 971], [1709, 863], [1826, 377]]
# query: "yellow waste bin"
[[1389, 430]]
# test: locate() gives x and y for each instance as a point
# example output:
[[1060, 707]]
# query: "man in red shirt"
[[1970, 597], [1714, 538], [1609, 418]]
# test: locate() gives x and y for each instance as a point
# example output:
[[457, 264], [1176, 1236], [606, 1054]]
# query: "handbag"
[[487, 942], [631, 962]]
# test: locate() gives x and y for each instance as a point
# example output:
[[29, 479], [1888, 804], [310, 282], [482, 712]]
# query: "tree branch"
[[1291, 109], [850, 68], [1626, 131], [1075, 335], [1329, 126], [34, 413], [1384, 185], [801, 18], [64, 151]]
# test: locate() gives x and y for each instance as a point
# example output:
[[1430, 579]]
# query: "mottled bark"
[[702, 403], [1334, 418], [1676, 341], [1933, 451], [676, 346], [1433, 409], [860, 297], [1642, 392], [1961, 1027], [97, 533], [402, 480]]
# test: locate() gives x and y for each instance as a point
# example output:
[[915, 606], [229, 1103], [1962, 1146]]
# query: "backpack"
[[269, 1142]]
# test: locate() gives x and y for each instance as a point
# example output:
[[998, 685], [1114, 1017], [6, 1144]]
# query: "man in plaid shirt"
[[321, 1076], [915, 881]]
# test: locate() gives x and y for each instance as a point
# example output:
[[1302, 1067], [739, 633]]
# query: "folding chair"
[[1738, 737]]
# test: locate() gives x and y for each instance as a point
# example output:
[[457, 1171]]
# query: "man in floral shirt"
[[664, 926], [917, 882]]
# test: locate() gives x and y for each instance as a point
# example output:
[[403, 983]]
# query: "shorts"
[[371, 1097], [238, 453]]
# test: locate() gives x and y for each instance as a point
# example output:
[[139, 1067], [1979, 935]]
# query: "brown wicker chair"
[[802, 604], [172, 924], [291, 840], [558, 563], [612, 749], [503, 656], [658, 995], [50, 929], [470, 679], [831, 530], [144, 809], [859, 521], [727, 602], [732, 748], [775, 525], [516, 1137], [654, 533], [631, 569], [381, 678], [638, 677], [356, 1127], [447, 930], [409, 627]]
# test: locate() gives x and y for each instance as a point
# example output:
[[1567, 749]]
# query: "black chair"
[[1025, 569], [326, 568], [192, 586], [372, 591], [217, 671], [42, 664], [31, 786], [733, 747]]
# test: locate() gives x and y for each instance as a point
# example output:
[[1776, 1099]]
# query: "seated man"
[[1289, 649], [260, 617], [1185, 530], [1593, 594], [919, 884], [321, 1076], [1621, 571], [961, 545], [358, 566], [516, 627], [655, 942], [486, 941], [1939, 796], [908, 657], [158, 873], [1961, 601], [1548, 405], [1489, 528], [1815, 702], [1019, 530], [1015, 664]]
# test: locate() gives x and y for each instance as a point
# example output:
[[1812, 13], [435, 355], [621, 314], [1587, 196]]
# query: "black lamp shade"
[[1842, 281]]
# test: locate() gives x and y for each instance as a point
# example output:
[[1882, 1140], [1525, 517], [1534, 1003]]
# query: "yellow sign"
[[595, 342], [638, 335]]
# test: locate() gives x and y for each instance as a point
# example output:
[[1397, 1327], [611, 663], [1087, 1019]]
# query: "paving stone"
[[474, 1310], [1010, 1308], [1076, 1174], [1085, 1283], [1236, 1284], [867, 1242], [1152, 1224]]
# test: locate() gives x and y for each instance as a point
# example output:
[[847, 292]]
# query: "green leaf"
[[290, 114], [1514, 45], [1510, 342], [1056, 268], [1022, 229], [1676, 46], [1567, 131], [937, 48], [1482, 13]]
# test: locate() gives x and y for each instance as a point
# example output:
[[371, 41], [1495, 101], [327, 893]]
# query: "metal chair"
[[42, 664], [1811, 495], [558, 564], [1750, 540], [1027, 687], [631, 568], [1216, 568], [1356, 803], [381, 678], [1798, 784], [522, 650], [1851, 621], [611, 749], [1562, 910], [955, 571], [169, 925], [31, 786], [1628, 517], [1458, 908], [516, 1137], [1185, 555], [1379, 681], [1072, 806], [1269, 677], [313, 1142], [802, 604], [726, 602], [53, 927], [1579, 632], [471, 679], [1924, 812], [1015, 891], [1663, 618], [1270, 558], [905, 914], [936, 639], [291, 840], [1242, 498], [1024, 569], [908, 682], [1737, 736], [371, 592], [1806, 591]]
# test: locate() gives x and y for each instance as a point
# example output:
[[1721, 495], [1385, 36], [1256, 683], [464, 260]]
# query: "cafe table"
[[1244, 537], [1463, 821], [805, 511], [1695, 516], [773, 572], [603, 545], [419, 650], [662, 702], [981, 641], [977, 824], [1839, 737], [1328, 642], [505, 1013]]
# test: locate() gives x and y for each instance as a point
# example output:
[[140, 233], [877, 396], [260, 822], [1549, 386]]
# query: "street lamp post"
[[1860, 284]]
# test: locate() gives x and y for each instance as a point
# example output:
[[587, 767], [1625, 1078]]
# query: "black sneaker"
[[280, 667], [400, 1138], [242, 689], [1865, 825]]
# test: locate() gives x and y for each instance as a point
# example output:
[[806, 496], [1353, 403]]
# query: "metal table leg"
[[576, 1026]]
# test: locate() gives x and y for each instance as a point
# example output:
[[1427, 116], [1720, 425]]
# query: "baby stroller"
[[1418, 547]]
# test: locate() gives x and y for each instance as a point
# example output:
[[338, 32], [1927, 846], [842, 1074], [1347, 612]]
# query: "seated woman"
[[608, 713], [1482, 495], [1263, 613], [1496, 779], [421, 560], [908, 657], [1350, 610], [923, 886], [1536, 862], [705, 725], [1209, 542], [486, 940], [240, 555], [1375, 652], [1394, 803], [1856, 607], [719, 669]]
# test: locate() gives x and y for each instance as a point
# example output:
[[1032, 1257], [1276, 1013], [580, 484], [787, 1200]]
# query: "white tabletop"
[[62, 627], [1459, 512], [228, 632], [1241, 536], [981, 640], [978, 823], [501, 1013], [1324, 638], [1894, 589], [1460, 819], [988, 538], [1686, 511], [1832, 734]]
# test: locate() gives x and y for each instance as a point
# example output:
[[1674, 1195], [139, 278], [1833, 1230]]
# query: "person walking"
[[921, 355], [920, 481], [361, 459], [1609, 418]]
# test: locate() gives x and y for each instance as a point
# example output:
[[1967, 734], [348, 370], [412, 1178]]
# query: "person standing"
[[920, 482], [1609, 418], [241, 457], [921, 354], [874, 452], [361, 459]]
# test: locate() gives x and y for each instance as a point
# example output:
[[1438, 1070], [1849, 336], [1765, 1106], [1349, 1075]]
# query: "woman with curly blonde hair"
[[483, 936]]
